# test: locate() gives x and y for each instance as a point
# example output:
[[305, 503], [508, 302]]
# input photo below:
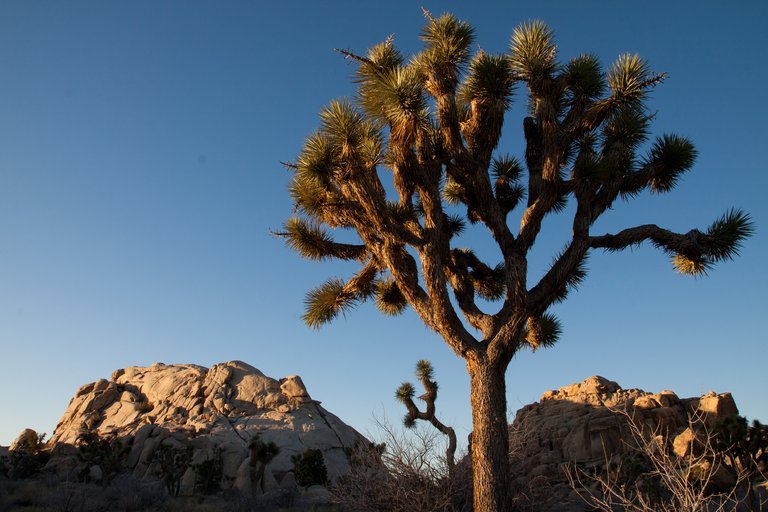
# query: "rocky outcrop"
[[207, 414], [579, 424], [25, 441]]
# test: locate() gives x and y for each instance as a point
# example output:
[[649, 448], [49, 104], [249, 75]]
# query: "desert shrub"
[[16, 494], [124, 494], [27, 459], [405, 472], [173, 464], [652, 478], [309, 468], [209, 473], [743, 449], [22, 464], [261, 454], [742, 445], [107, 452]]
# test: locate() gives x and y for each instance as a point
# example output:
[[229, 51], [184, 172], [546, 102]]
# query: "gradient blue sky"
[[139, 178]]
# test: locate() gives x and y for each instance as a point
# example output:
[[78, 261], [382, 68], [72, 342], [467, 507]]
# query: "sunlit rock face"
[[24, 441], [581, 424], [211, 410]]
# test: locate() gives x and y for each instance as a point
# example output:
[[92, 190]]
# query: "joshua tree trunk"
[[490, 443]]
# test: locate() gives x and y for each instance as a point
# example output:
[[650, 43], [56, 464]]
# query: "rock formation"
[[26, 440], [579, 424], [221, 422], [207, 413]]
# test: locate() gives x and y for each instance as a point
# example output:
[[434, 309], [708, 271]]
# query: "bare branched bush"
[[406, 472], [652, 477]]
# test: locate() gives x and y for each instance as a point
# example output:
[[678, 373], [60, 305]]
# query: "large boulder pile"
[[205, 414], [582, 424]]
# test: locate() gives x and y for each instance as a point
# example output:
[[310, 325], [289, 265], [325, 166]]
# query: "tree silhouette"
[[435, 120], [261, 454], [405, 394]]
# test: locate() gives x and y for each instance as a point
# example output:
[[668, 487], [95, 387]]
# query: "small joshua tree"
[[208, 473], [261, 454], [405, 394], [309, 468], [173, 464]]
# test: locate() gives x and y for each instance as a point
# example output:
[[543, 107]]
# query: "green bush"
[[209, 474], [309, 468], [26, 460], [173, 464], [107, 452], [262, 452]]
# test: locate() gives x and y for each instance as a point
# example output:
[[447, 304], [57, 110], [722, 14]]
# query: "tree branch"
[[312, 243], [566, 267], [464, 289], [663, 238], [438, 315], [530, 223], [352, 56], [435, 262]]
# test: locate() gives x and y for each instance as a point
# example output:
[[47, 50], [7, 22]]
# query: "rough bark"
[[490, 445]]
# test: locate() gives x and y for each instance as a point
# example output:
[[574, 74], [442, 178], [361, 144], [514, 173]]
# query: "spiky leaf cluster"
[[628, 80], [315, 243], [489, 81], [543, 331], [533, 50], [389, 298], [586, 79], [726, 235], [424, 370], [490, 283], [434, 121], [405, 391], [722, 241], [670, 157], [390, 91], [325, 302], [507, 172], [453, 192], [448, 41], [455, 224]]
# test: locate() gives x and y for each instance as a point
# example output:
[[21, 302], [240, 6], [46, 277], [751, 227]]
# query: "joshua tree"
[[309, 468], [434, 120], [173, 463], [261, 454], [405, 394]]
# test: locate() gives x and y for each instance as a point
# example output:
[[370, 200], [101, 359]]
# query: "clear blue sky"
[[139, 178]]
